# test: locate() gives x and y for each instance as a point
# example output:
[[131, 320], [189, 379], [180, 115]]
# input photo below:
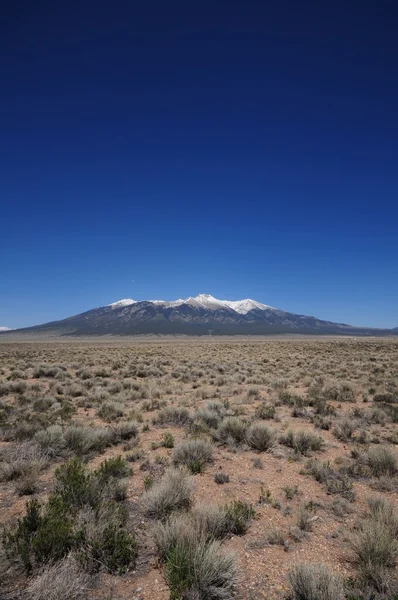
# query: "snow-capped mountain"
[[202, 301], [199, 315], [5, 329]]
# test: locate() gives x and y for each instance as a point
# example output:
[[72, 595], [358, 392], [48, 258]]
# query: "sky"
[[158, 150]]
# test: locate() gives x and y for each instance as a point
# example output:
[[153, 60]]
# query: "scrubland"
[[199, 469]]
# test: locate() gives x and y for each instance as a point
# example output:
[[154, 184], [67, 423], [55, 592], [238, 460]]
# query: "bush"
[[168, 440], [48, 533], [345, 429], [260, 437], [219, 522], [382, 461], [172, 492], [51, 440], [342, 392], [116, 467], [173, 415], [221, 478], [111, 411], [388, 398], [231, 429], [83, 440], [302, 442], [194, 454], [64, 580], [194, 566], [265, 411], [20, 460], [335, 482], [125, 430], [199, 570], [375, 551], [314, 582], [238, 516], [76, 486]]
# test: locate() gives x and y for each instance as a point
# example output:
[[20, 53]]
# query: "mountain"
[[199, 315], [5, 329]]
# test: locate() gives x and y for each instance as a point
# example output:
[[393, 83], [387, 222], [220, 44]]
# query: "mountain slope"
[[199, 315]]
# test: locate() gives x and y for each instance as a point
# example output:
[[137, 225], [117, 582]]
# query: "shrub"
[[314, 582], [64, 580], [302, 442], [304, 519], [111, 411], [173, 415], [265, 411], [335, 482], [113, 467], [345, 429], [48, 533], [126, 430], [375, 551], [211, 418], [197, 569], [76, 486], [168, 440], [173, 492], [260, 437], [51, 440], [388, 398], [382, 461], [219, 522], [194, 454], [231, 429], [83, 440], [342, 392], [238, 516], [20, 460], [221, 478]]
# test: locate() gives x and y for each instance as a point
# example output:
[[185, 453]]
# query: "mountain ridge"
[[199, 315]]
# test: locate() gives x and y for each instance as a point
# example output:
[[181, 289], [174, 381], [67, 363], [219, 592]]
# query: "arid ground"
[[220, 468]]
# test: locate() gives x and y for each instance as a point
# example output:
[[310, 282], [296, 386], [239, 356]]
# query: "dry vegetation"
[[219, 469]]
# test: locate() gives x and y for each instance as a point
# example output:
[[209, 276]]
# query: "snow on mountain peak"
[[205, 301], [5, 329], [124, 302]]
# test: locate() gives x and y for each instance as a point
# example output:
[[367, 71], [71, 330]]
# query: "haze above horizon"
[[244, 150]]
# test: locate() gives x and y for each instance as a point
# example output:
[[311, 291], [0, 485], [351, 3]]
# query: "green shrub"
[[116, 549], [76, 486], [116, 467], [48, 533], [168, 440], [238, 516]]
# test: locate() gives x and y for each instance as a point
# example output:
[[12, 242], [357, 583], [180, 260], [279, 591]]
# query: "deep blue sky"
[[163, 149]]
